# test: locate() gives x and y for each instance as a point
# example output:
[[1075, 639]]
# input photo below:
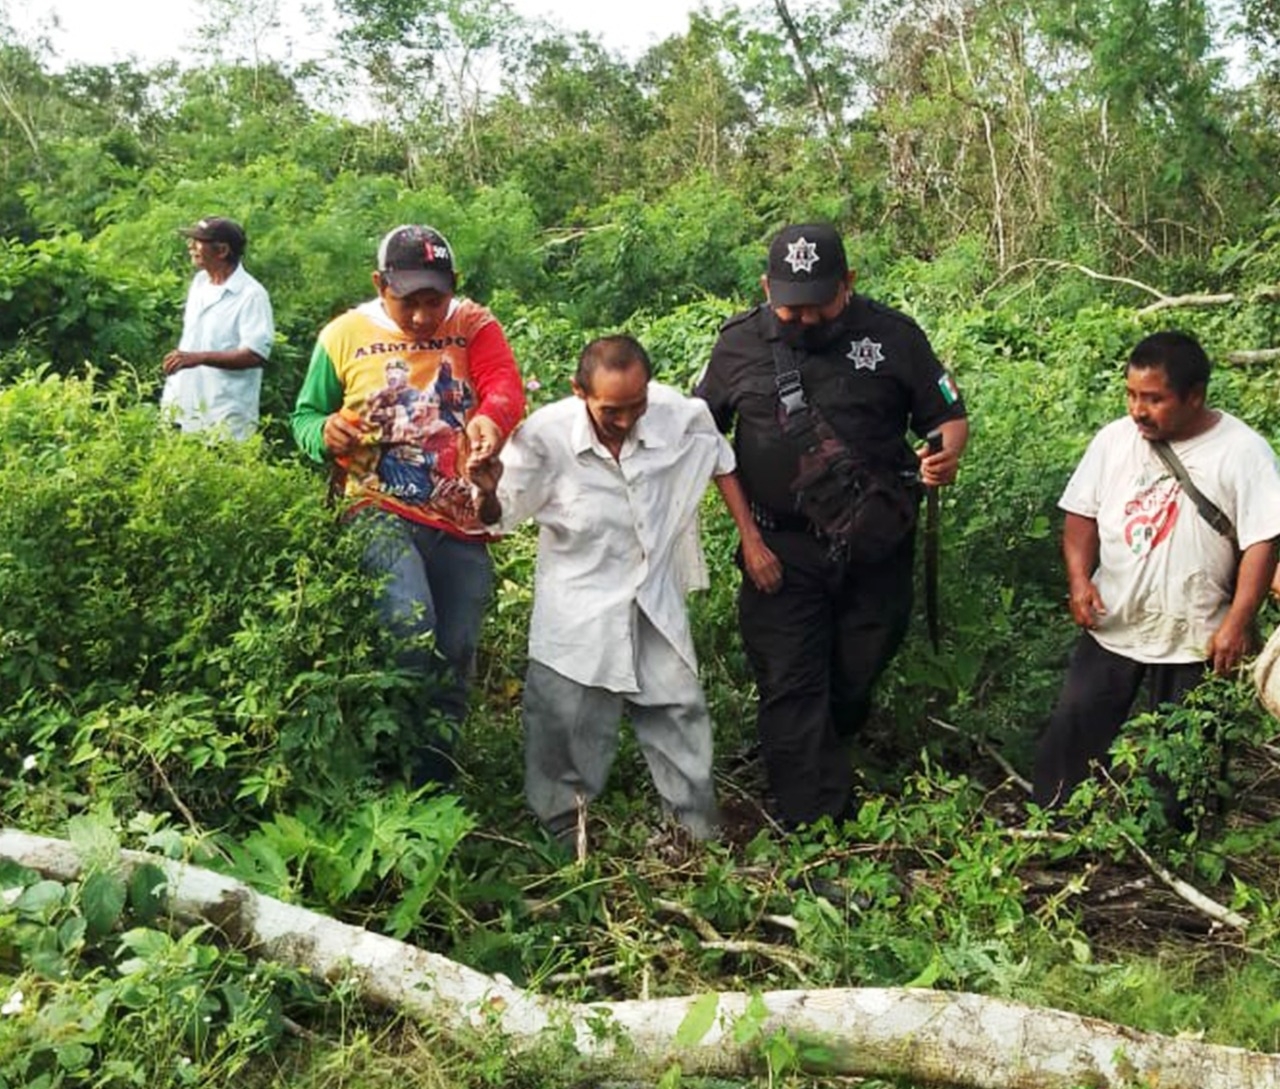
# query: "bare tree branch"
[[1170, 302], [1248, 357], [1021, 781], [810, 76], [1045, 262], [1193, 896], [1128, 229]]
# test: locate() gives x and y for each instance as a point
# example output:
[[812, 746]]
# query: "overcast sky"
[[102, 31]]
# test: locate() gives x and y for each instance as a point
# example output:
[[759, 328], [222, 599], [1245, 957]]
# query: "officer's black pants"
[[1097, 698], [816, 648]]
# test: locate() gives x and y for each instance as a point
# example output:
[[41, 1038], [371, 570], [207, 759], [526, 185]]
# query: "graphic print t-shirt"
[[413, 398], [1166, 577]]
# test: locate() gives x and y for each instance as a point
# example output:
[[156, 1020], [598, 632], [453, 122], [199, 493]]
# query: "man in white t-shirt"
[[213, 379], [1159, 593], [613, 476]]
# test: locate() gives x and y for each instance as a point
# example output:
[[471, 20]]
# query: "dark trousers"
[[816, 648], [1096, 700]]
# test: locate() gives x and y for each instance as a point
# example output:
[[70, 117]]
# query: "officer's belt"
[[783, 523]]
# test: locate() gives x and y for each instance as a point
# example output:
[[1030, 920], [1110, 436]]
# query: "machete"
[[934, 442]]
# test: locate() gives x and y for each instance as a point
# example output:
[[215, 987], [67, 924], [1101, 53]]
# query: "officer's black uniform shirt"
[[871, 383]]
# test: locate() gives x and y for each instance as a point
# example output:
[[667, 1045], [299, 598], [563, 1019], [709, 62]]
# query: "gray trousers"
[[571, 737]]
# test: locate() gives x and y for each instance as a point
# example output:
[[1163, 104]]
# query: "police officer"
[[819, 387]]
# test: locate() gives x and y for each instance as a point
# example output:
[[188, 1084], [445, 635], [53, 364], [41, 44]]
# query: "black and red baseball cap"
[[413, 258]]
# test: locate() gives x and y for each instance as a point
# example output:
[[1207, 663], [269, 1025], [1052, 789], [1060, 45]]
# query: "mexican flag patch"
[[948, 387]]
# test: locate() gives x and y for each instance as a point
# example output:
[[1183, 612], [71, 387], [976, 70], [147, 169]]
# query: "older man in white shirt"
[[213, 379], [613, 476]]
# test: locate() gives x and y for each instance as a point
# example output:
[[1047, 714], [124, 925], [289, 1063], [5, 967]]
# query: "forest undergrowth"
[[191, 668]]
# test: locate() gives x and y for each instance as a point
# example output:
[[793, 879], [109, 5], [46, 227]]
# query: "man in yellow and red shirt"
[[401, 391]]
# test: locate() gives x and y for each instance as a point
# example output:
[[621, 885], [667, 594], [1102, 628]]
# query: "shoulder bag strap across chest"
[[1209, 510]]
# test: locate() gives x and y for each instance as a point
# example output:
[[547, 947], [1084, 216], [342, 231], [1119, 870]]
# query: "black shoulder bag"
[[864, 512]]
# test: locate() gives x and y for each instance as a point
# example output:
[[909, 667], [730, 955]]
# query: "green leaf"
[[929, 976], [74, 1057], [47, 961], [102, 900], [1039, 528], [13, 875], [234, 999], [671, 1077], [748, 1026], [148, 887], [698, 1021], [39, 898], [71, 933], [147, 944]]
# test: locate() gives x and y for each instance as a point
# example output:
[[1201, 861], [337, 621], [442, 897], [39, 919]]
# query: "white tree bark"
[[930, 1036]]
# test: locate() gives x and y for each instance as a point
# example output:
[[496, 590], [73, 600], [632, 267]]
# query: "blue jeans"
[[436, 584]]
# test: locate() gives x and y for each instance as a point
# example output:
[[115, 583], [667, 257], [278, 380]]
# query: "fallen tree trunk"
[[929, 1036]]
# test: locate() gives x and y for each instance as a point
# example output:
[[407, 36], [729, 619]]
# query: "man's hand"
[[763, 568], [178, 361], [484, 440], [1086, 603], [1228, 645], [484, 474], [1234, 638], [940, 467], [342, 435]]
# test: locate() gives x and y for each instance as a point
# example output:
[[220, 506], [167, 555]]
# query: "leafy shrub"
[[699, 239], [99, 991], [194, 608], [63, 301], [397, 844]]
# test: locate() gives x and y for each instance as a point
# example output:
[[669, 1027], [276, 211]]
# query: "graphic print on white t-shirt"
[[1149, 517]]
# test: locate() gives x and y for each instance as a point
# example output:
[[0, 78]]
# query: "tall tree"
[[1099, 125], [569, 127], [702, 113], [433, 65]]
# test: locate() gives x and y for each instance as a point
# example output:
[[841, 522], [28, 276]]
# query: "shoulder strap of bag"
[[1209, 510], [797, 419], [800, 412]]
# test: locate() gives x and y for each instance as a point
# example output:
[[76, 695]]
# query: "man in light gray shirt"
[[1162, 586]]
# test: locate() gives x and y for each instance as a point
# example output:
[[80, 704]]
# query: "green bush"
[[61, 300], [179, 612]]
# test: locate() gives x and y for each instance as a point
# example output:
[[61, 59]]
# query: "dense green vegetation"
[[188, 662]]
